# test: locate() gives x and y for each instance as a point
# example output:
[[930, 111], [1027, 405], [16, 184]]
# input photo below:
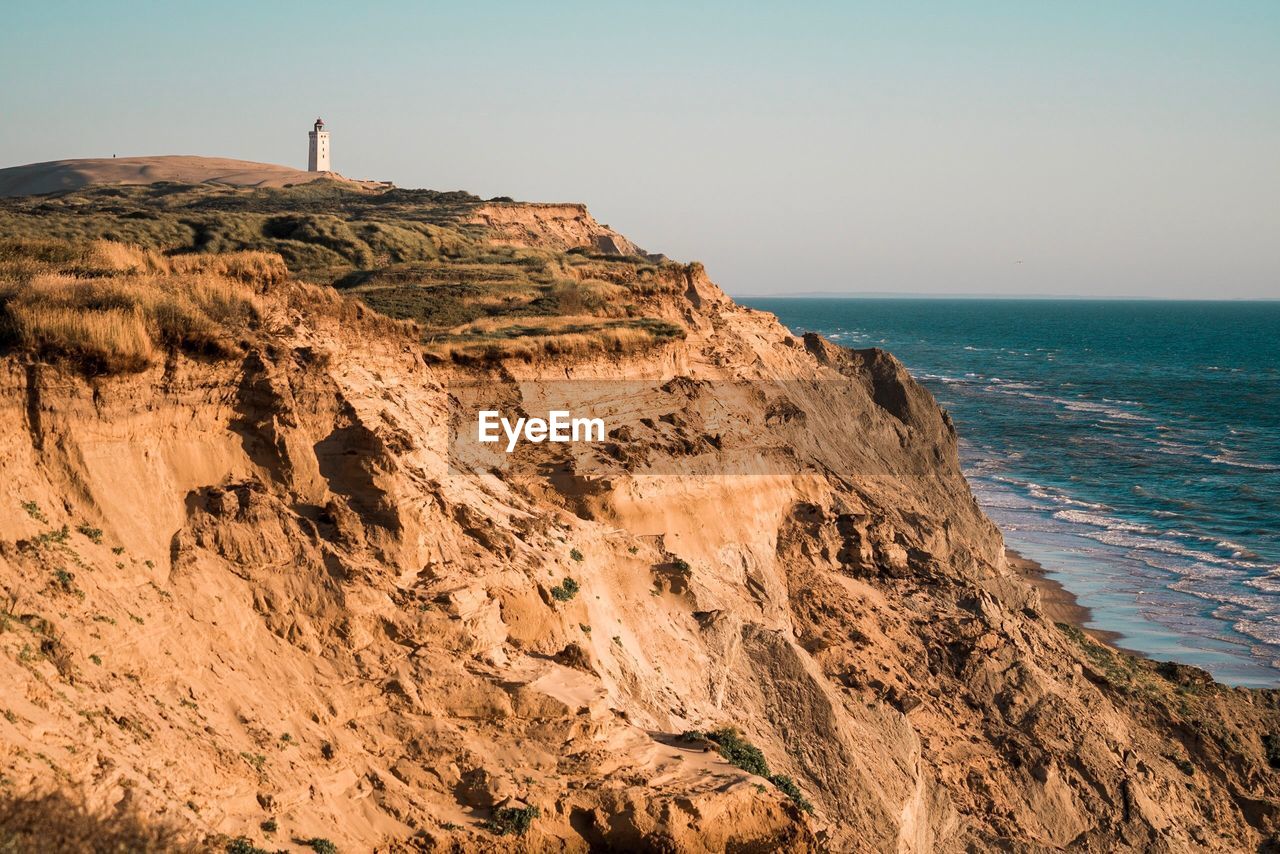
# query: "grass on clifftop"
[[408, 254], [113, 308], [109, 308]]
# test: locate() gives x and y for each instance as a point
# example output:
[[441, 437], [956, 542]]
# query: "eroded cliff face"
[[553, 226], [264, 589]]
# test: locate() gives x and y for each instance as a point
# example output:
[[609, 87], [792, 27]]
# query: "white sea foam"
[[1225, 460], [1238, 551], [1177, 449], [1141, 538], [942, 378], [1251, 602], [1268, 583], [1100, 409], [1108, 523], [1266, 630], [1046, 493]]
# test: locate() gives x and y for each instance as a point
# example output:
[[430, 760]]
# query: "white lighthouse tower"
[[318, 151]]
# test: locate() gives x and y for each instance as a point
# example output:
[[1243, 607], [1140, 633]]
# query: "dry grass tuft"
[[115, 340], [257, 268], [109, 307], [23, 258], [531, 338], [106, 255], [125, 323], [57, 823], [591, 296]]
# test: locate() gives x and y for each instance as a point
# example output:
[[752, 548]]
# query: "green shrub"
[[513, 820], [575, 554], [738, 751], [56, 536], [1271, 747], [320, 845], [789, 787], [565, 590], [91, 532], [243, 845]]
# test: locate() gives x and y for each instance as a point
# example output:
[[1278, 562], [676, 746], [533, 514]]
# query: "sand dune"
[[57, 175]]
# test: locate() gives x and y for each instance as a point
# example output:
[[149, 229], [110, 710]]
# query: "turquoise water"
[[1132, 447]]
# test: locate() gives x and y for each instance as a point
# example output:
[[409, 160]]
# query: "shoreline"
[[1060, 604]]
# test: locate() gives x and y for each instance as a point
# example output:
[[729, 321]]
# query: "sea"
[[1130, 447]]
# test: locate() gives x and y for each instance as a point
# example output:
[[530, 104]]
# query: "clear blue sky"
[[1110, 147]]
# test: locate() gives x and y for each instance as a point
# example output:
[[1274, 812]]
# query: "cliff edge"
[[256, 588]]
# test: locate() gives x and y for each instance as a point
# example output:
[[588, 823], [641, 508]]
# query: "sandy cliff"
[[552, 226], [261, 588]]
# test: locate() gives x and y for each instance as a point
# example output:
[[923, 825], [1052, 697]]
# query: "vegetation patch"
[[119, 309], [790, 789], [94, 534], [1271, 749], [115, 278], [565, 590], [512, 820], [244, 845], [57, 536], [1117, 669], [738, 751], [256, 760]]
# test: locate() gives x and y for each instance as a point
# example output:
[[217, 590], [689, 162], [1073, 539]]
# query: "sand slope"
[[57, 175]]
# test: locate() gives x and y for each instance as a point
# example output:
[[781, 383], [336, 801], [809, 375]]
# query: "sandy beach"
[[1060, 603]]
